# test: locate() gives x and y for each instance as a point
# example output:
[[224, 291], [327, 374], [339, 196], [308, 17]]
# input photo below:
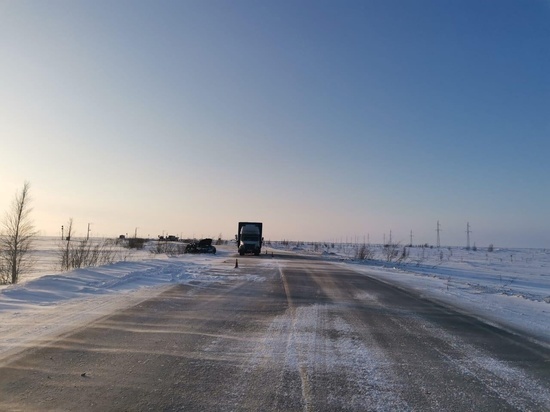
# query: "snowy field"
[[507, 287]]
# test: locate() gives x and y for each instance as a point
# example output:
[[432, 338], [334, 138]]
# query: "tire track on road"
[[291, 343]]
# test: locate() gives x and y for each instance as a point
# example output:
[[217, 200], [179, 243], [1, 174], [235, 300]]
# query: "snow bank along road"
[[293, 334]]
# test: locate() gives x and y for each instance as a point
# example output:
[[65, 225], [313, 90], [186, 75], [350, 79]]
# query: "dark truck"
[[249, 238]]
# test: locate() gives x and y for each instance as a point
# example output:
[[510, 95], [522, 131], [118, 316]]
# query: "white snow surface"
[[506, 287]]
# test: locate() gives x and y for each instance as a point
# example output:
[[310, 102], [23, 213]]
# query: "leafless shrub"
[[76, 254], [135, 243], [391, 251], [404, 255], [174, 249], [364, 252], [65, 249], [169, 248]]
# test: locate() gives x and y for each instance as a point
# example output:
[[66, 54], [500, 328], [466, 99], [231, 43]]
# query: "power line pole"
[[411, 239], [468, 231], [438, 230]]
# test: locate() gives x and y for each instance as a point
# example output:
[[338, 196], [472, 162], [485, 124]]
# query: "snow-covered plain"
[[508, 287]]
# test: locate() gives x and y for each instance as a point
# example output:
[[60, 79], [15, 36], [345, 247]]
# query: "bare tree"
[[17, 238]]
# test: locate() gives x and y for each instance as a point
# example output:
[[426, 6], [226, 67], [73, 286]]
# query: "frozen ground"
[[509, 287]]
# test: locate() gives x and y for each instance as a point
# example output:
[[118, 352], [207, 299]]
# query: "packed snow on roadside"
[[42, 307], [508, 287]]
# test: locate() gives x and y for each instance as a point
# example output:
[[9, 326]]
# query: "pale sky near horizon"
[[326, 120]]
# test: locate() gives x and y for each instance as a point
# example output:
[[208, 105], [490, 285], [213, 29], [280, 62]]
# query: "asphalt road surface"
[[298, 334]]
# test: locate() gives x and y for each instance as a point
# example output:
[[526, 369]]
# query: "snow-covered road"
[[281, 333], [510, 288]]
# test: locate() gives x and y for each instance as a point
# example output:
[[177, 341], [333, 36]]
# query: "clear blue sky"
[[325, 120]]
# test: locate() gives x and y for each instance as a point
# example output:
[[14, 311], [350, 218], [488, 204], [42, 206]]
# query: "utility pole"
[[135, 233], [390, 237], [438, 230], [88, 234], [410, 244], [468, 231]]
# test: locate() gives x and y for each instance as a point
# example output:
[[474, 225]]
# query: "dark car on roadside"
[[202, 246]]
